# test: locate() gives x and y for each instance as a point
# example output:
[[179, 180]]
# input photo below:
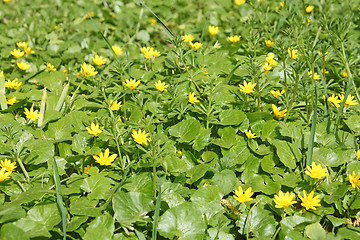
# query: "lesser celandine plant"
[[215, 120]]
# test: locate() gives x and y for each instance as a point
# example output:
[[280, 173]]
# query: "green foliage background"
[[155, 191]]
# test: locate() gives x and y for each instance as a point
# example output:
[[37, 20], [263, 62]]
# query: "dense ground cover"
[[198, 119]]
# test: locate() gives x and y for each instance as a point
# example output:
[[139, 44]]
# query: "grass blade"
[[312, 132], [167, 30], [58, 193], [2, 93], [62, 97], [326, 111], [156, 215], [42, 107]]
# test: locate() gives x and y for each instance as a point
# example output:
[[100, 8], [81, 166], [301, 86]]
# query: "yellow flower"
[[313, 76], [8, 165], [354, 180], [153, 21], [345, 74], [334, 100], [149, 52], [213, 30], [310, 202], [1, 73], [195, 45], [234, 39], [247, 87], [28, 50], [140, 137], [293, 53], [267, 67], [33, 115], [309, 8], [88, 70], [22, 44], [249, 134], [161, 86], [284, 200], [66, 71], [23, 65], [4, 175], [86, 169], [188, 38], [192, 98], [115, 105], [239, 2], [325, 55], [316, 171], [11, 100], [118, 50], [358, 154], [94, 130], [78, 74], [99, 60], [17, 53], [132, 83], [349, 100], [278, 113], [13, 84], [104, 159], [324, 71], [282, 4], [50, 67], [269, 43], [270, 58], [277, 93], [242, 196]]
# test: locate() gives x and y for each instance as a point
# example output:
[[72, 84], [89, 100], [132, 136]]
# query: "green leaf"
[[345, 233], [197, 172], [202, 139], [292, 222], [184, 222], [97, 185], [353, 122], [239, 152], [289, 234], [53, 80], [59, 130], [141, 183], [186, 130], [206, 194], [288, 153], [101, 227], [131, 207], [11, 213], [39, 152], [75, 222], [231, 117], [259, 221], [177, 164], [143, 36], [11, 232], [227, 137], [315, 232], [84, 207], [331, 158], [32, 228], [80, 142], [46, 214], [225, 180]]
